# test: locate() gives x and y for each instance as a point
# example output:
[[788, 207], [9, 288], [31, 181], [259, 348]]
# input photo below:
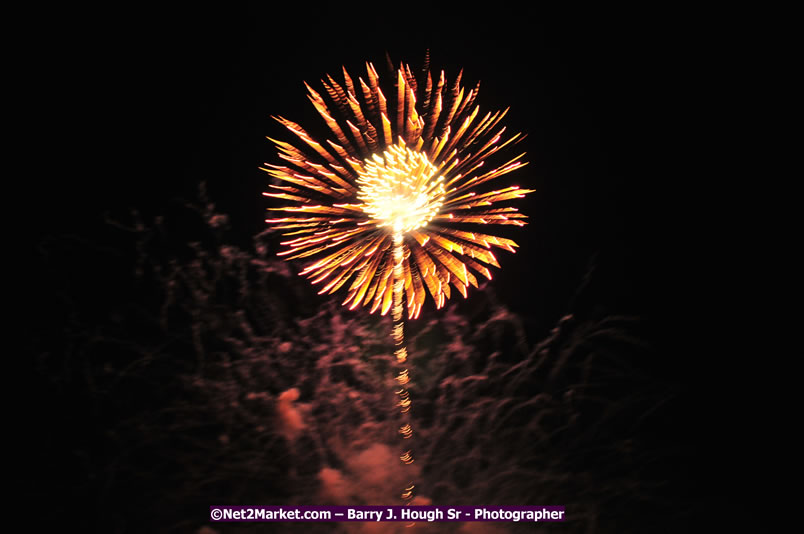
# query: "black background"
[[141, 106], [134, 107]]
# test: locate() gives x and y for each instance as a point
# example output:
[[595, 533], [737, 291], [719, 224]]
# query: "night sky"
[[145, 106], [138, 107]]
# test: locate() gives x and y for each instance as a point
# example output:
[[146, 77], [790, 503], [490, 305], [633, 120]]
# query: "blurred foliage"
[[181, 370]]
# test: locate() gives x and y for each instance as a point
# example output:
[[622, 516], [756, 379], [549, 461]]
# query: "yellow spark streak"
[[406, 431], [403, 377]]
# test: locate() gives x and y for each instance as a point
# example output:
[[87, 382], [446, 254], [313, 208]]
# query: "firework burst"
[[396, 197]]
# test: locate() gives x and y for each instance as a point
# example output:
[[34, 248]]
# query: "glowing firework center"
[[400, 189]]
